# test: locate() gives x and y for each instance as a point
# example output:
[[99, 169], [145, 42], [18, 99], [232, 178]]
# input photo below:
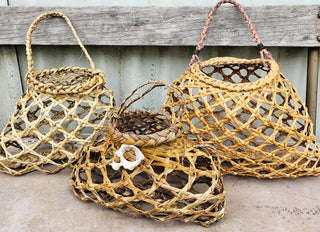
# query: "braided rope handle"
[[156, 84], [32, 28], [263, 50]]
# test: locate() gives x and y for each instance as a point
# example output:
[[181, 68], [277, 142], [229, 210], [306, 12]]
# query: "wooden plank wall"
[[128, 66], [11, 86], [164, 26]]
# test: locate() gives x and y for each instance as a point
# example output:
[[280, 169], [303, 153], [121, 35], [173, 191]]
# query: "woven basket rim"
[[97, 78], [268, 78], [132, 139]]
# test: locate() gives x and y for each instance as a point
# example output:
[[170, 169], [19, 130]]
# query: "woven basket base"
[[171, 183]]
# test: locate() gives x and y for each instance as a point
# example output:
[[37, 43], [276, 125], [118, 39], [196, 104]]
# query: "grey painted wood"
[[10, 83], [144, 3], [277, 26]]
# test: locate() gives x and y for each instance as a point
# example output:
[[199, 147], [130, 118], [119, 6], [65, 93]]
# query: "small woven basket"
[[173, 181], [144, 127], [250, 112], [62, 111]]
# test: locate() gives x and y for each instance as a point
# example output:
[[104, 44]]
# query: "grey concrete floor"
[[39, 202]]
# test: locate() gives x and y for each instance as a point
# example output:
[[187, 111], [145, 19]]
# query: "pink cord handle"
[[263, 50]]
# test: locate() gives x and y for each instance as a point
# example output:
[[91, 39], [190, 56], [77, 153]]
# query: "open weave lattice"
[[174, 181], [253, 116], [62, 111]]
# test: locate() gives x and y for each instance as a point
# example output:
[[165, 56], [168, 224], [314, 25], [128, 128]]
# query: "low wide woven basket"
[[62, 111], [251, 113], [174, 181]]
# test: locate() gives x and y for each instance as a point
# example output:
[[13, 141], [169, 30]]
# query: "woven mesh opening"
[[177, 179], [113, 175], [54, 164], [143, 181], [124, 191]]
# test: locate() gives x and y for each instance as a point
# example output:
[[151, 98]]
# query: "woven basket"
[[62, 111], [173, 181], [250, 112], [144, 127]]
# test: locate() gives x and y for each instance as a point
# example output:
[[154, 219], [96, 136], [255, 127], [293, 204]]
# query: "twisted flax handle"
[[33, 26], [263, 50], [156, 84]]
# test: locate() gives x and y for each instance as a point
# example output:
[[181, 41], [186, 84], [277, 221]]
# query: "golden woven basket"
[[173, 181], [62, 111], [250, 112], [144, 127]]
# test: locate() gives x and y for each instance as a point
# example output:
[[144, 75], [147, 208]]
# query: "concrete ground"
[[39, 202]]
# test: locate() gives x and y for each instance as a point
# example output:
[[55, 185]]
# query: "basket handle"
[[33, 26], [263, 50], [124, 105]]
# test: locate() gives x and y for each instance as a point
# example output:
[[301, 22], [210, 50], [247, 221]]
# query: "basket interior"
[[141, 122], [236, 72]]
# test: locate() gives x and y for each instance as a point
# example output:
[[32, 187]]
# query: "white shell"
[[130, 165]]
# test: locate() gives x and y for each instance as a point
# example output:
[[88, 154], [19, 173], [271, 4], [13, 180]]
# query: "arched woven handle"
[[33, 26], [263, 50], [124, 105]]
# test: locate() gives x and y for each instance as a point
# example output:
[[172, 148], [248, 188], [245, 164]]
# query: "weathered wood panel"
[[208, 3], [10, 83], [277, 26]]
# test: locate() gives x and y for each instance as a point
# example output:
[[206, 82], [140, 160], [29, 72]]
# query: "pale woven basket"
[[62, 111], [175, 180], [250, 112]]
